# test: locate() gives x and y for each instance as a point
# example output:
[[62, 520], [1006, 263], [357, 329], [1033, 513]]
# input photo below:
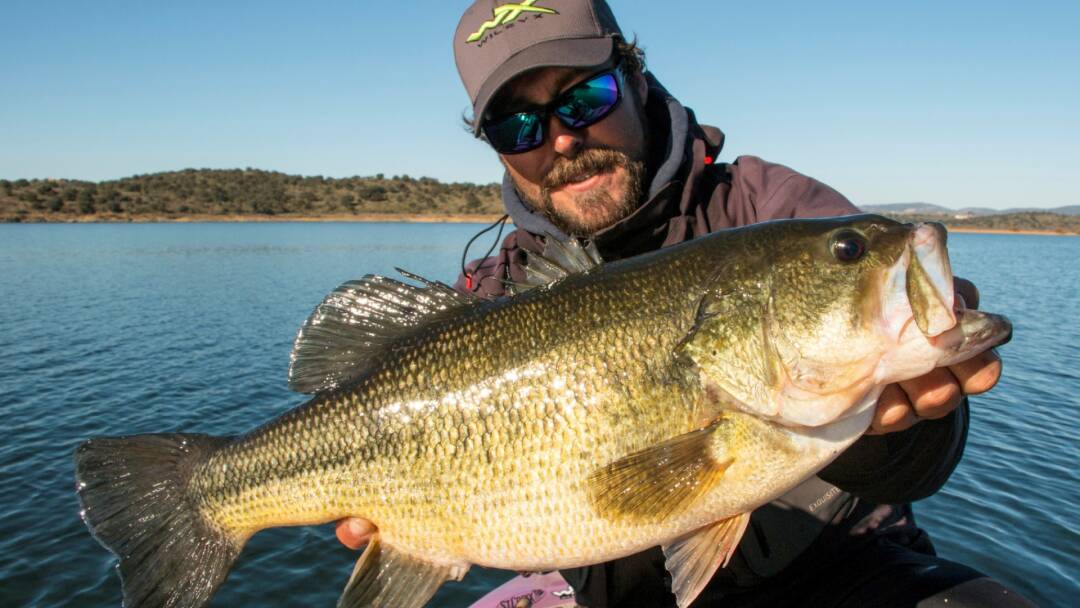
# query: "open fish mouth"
[[919, 286], [976, 331], [923, 317], [935, 309], [929, 282]]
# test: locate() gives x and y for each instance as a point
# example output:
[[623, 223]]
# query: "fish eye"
[[848, 246]]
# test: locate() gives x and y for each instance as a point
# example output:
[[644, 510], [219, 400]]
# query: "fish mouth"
[[920, 294], [929, 280], [975, 332], [919, 286]]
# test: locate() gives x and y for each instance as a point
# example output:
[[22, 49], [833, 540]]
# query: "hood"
[[669, 122]]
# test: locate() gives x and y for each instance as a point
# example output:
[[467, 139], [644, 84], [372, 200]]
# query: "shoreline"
[[426, 218], [1006, 231], [206, 218]]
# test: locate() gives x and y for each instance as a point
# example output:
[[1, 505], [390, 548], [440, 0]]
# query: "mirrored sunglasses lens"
[[590, 101], [516, 133]]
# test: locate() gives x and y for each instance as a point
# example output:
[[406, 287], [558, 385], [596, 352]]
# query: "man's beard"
[[597, 209]]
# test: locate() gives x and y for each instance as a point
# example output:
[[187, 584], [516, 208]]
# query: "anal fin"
[[693, 559], [387, 578], [661, 480]]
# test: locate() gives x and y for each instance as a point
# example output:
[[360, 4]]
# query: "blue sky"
[[958, 103]]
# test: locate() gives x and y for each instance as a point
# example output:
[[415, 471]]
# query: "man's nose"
[[567, 142]]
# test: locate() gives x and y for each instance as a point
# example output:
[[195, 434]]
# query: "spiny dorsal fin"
[[559, 260], [693, 559], [357, 322]]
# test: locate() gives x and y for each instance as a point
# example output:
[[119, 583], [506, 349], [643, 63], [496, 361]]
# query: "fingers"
[[933, 395], [900, 406], [967, 290], [938, 393], [979, 374], [354, 532], [894, 412]]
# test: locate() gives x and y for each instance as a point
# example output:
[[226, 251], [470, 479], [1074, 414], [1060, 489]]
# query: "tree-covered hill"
[[1029, 221], [243, 194], [238, 192]]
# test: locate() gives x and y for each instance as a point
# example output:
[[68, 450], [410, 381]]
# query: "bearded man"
[[595, 147]]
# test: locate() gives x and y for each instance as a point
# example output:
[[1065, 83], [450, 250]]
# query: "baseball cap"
[[498, 40]]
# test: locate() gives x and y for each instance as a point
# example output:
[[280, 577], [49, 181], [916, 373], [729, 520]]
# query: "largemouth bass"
[[652, 401]]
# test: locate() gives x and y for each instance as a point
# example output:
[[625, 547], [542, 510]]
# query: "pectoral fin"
[[387, 578], [659, 481], [693, 559]]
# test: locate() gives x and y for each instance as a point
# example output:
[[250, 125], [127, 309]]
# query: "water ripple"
[[113, 329]]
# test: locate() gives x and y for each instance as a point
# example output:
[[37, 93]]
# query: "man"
[[595, 147]]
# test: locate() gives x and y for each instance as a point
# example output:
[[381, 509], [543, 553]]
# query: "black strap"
[[501, 223]]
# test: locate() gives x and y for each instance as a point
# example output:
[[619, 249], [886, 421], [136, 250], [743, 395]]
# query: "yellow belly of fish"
[[536, 513]]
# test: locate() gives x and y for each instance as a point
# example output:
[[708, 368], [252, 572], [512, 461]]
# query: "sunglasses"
[[583, 104]]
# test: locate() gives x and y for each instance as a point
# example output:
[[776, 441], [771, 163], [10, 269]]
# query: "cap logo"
[[506, 14]]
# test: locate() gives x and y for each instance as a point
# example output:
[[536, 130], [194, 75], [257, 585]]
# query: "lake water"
[[120, 329]]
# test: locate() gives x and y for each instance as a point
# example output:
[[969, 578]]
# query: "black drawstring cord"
[[501, 223]]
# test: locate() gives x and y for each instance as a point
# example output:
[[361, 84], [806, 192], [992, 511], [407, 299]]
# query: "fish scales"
[[653, 401], [449, 459]]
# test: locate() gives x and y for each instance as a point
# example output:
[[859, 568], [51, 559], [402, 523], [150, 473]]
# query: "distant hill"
[[906, 208], [1065, 210], [233, 193], [1061, 220], [977, 211], [252, 194], [917, 208], [1028, 221]]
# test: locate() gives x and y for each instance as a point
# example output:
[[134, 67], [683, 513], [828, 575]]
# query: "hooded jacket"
[[862, 496]]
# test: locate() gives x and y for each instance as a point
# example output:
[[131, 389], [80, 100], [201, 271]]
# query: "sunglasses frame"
[[547, 110]]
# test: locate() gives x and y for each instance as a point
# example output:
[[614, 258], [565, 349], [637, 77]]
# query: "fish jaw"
[[978, 331], [916, 353], [929, 283], [908, 349], [921, 320], [919, 287]]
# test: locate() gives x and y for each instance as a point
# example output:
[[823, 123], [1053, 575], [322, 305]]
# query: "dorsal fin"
[[559, 260], [359, 321]]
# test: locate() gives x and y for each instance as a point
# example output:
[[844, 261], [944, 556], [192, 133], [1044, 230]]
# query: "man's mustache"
[[584, 165]]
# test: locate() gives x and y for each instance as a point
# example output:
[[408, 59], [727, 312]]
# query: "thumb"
[[967, 290], [354, 532]]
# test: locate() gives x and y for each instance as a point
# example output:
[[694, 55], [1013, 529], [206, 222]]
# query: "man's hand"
[[354, 532], [937, 393]]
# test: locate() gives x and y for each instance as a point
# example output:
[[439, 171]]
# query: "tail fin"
[[135, 500]]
